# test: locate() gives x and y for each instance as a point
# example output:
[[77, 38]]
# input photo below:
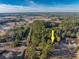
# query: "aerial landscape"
[[39, 29]]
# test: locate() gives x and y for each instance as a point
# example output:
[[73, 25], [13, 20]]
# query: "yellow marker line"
[[52, 36]]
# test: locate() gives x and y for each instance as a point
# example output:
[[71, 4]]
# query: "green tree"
[[38, 32], [30, 52]]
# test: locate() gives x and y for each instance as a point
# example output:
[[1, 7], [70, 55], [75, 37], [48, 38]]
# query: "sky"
[[39, 6]]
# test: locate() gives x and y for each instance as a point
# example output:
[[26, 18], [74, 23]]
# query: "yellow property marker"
[[52, 36]]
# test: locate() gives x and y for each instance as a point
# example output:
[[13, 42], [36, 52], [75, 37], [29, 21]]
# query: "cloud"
[[36, 8], [32, 3]]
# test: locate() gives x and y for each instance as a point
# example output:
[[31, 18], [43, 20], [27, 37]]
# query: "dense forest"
[[39, 43], [38, 36]]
